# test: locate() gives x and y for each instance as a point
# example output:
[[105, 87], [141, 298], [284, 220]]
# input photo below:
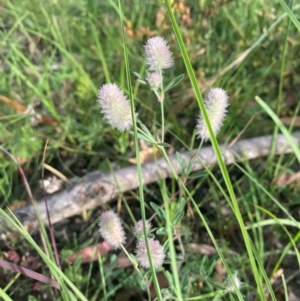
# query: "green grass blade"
[[137, 150], [283, 129], [4, 295], [59, 276], [217, 150], [290, 14]]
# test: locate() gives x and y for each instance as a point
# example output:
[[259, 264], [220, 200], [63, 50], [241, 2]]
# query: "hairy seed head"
[[139, 228], [156, 253], [111, 229], [158, 54], [115, 107], [154, 80], [216, 103], [229, 283]]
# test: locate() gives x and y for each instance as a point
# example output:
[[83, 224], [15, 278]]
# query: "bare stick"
[[96, 188]]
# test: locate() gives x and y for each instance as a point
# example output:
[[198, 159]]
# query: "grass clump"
[[226, 233]]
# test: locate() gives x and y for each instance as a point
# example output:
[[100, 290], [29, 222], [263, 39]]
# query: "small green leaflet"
[[145, 138], [174, 82], [197, 174], [161, 231], [178, 217], [133, 259], [140, 78], [145, 129], [178, 259], [163, 144], [179, 212], [180, 162], [159, 211]]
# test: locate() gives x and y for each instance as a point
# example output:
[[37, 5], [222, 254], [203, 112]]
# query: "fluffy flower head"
[[216, 103], [138, 228], [154, 80], [156, 252], [230, 286], [158, 54], [111, 229], [115, 107]]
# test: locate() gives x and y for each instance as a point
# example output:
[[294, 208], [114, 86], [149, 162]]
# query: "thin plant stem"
[[204, 296], [162, 121], [217, 150], [137, 151], [280, 89], [52, 236], [137, 270], [172, 247], [28, 190], [161, 99], [167, 209], [177, 178], [102, 277]]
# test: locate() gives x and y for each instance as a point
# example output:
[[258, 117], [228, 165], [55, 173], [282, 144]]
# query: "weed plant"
[[54, 57]]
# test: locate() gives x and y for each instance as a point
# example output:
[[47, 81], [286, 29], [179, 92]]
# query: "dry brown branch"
[[98, 188]]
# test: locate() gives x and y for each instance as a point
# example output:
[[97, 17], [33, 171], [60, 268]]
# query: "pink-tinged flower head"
[[139, 228], [115, 107], [216, 103], [229, 283], [111, 229], [156, 252], [158, 54], [154, 80]]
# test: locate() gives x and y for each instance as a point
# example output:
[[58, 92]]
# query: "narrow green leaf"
[[186, 232], [140, 78], [169, 276], [180, 162], [166, 246], [145, 129], [283, 129], [178, 259], [174, 82], [161, 231], [181, 204], [159, 211], [163, 144], [133, 259], [145, 138], [236, 208], [197, 174], [178, 217], [290, 14]]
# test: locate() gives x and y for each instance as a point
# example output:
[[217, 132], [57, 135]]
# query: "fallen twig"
[[98, 188]]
